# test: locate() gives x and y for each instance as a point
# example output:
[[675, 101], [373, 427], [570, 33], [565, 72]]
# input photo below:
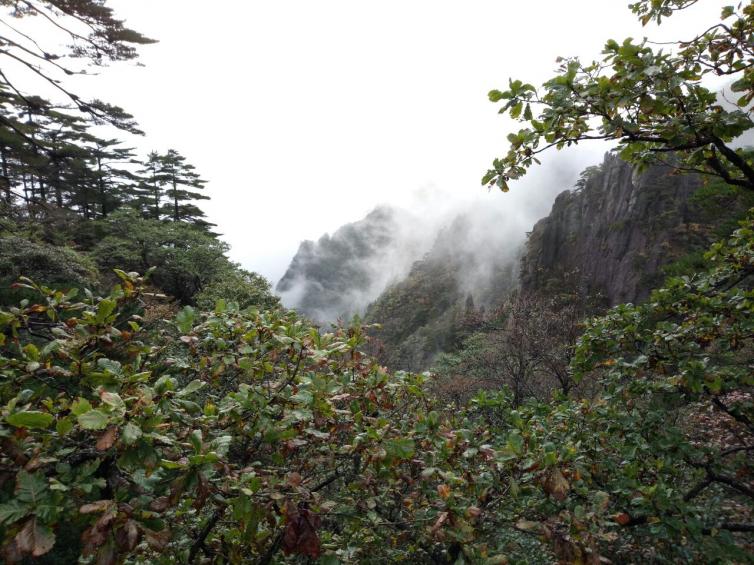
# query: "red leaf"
[[622, 518], [300, 535]]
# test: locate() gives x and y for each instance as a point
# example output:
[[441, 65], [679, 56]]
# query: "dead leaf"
[[300, 535], [127, 536], [107, 439], [294, 479], [107, 555], [35, 539], [159, 504], [556, 485], [443, 490], [527, 525], [157, 540], [473, 512], [441, 519], [94, 507]]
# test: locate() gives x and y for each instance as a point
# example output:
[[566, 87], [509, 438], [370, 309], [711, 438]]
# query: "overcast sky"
[[304, 115]]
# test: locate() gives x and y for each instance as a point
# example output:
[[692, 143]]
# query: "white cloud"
[[305, 115]]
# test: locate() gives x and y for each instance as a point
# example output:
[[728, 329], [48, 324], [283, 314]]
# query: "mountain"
[[423, 314], [619, 231], [610, 239], [338, 275]]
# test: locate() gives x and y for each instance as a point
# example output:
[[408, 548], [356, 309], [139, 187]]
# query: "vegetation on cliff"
[[214, 426]]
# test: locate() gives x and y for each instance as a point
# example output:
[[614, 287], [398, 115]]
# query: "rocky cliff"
[[338, 275], [619, 229]]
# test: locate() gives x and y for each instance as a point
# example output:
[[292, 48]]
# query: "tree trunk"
[[101, 182], [6, 177], [156, 192], [56, 183], [175, 201]]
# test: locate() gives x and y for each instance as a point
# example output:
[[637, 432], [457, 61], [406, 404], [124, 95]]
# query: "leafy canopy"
[[655, 101]]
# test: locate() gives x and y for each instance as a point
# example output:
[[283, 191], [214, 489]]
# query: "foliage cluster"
[[249, 435], [524, 345], [654, 100]]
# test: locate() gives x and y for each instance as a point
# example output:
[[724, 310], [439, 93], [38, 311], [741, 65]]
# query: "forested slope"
[[180, 415]]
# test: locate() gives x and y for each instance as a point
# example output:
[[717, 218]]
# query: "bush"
[[59, 267], [250, 436], [242, 288], [185, 258]]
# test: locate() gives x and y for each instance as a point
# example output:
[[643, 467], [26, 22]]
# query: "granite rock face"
[[339, 274], [615, 231]]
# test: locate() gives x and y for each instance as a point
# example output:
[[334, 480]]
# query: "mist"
[[480, 231]]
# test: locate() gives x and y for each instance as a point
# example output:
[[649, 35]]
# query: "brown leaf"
[[95, 507], [473, 512], [441, 519], [202, 491], [11, 552], [294, 479], [556, 485], [300, 535], [528, 525], [35, 539], [107, 439], [107, 555], [127, 536], [157, 540], [91, 539], [159, 504], [443, 491]]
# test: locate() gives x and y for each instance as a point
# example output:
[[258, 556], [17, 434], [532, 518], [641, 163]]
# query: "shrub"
[[60, 267]]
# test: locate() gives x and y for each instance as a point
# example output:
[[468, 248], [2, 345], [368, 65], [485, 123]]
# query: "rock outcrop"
[[618, 228], [338, 275]]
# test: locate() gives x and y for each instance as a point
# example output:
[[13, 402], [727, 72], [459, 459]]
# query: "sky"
[[305, 115]]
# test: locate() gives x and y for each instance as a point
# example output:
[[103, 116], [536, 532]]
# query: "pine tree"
[[151, 186], [183, 182], [115, 185]]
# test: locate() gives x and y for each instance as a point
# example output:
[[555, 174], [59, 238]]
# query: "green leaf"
[[114, 401], [80, 406], [515, 442], [31, 352], [30, 487], [30, 419], [110, 366], [196, 440], [220, 306], [401, 448], [12, 511], [93, 420], [496, 95], [130, 433], [64, 425], [104, 310], [185, 319], [191, 388]]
